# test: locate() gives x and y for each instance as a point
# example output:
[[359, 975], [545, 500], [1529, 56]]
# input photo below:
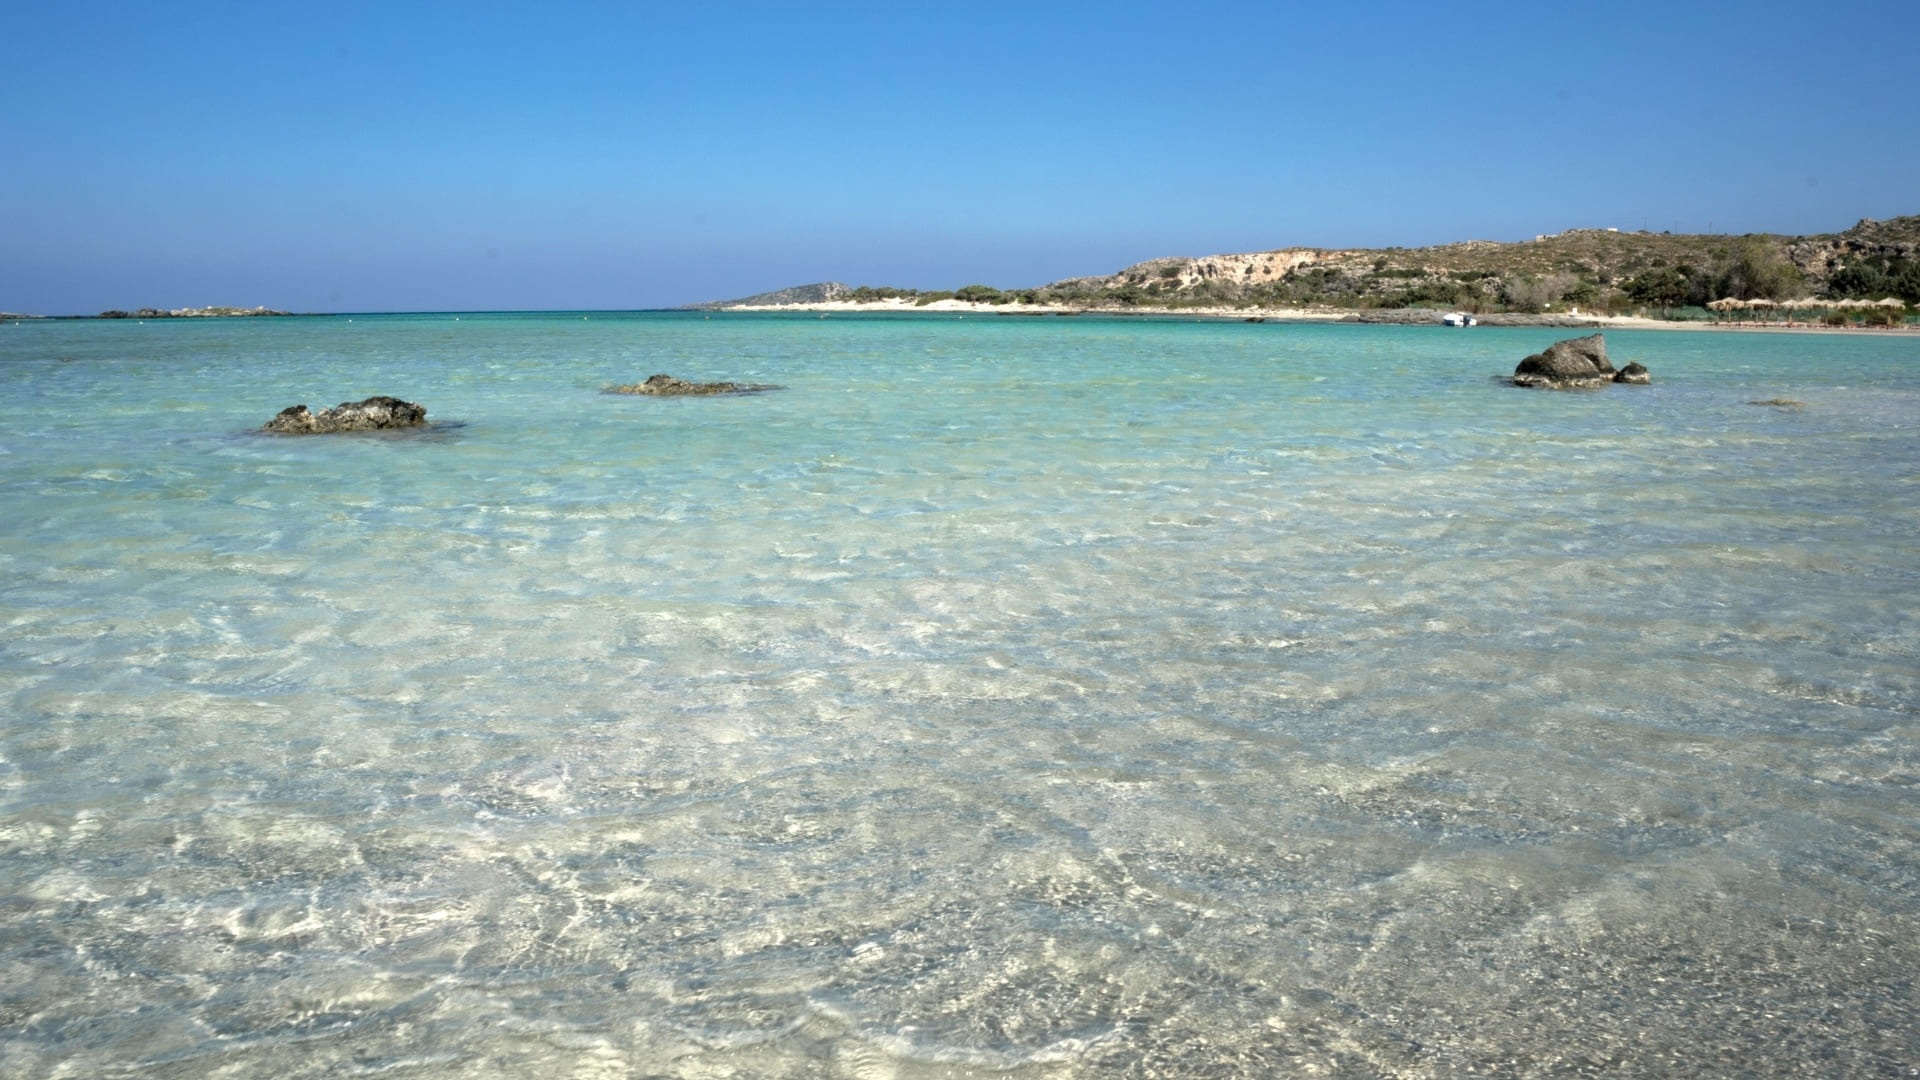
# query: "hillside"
[[1593, 269], [825, 292], [1596, 267]]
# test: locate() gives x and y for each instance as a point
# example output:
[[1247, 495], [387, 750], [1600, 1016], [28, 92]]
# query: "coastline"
[[1387, 316], [1218, 313], [142, 314]]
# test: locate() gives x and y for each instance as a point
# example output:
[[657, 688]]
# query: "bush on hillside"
[[1875, 279], [1757, 271]]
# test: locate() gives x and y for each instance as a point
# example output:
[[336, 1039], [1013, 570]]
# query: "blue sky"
[[399, 156]]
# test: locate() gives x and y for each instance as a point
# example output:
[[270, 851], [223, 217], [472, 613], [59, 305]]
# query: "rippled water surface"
[[1021, 697]]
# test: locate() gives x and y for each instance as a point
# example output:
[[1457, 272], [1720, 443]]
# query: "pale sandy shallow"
[[1622, 322], [1082, 698]]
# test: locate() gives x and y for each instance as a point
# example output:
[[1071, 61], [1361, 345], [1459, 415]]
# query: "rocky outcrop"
[[1571, 364], [668, 386], [1183, 274], [1868, 243], [372, 414], [1576, 364]]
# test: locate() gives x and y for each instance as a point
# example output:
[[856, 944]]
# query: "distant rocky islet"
[[192, 313]]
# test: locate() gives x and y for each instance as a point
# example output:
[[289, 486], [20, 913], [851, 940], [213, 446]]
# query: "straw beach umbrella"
[[1801, 304]]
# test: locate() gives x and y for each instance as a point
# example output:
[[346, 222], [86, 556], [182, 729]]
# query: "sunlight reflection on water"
[[1035, 699]]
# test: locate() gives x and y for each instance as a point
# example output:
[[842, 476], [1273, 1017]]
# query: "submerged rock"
[[1576, 364], [372, 414], [668, 386]]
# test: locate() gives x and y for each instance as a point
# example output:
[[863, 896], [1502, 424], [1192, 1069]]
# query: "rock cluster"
[[668, 386], [1576, 364], [372, 414]]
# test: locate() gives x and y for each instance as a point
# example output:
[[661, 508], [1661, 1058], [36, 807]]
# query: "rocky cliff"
[[1870, 241]]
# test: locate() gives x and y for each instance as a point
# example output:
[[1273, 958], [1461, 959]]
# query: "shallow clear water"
[[1015, 697]]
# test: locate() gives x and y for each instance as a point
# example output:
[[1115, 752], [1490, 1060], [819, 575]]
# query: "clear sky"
[[396, 156]]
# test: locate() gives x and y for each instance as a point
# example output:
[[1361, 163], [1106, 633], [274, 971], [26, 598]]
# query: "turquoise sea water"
[[1004, 697]]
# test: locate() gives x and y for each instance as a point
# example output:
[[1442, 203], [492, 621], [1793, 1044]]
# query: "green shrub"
[[1757, 271], [868, 293], [1662, 288]]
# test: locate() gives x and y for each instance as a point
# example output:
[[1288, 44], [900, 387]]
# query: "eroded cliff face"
[[1253, 268], [1819, 257]]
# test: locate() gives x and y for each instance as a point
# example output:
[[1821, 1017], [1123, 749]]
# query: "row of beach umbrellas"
[[1730, 304]]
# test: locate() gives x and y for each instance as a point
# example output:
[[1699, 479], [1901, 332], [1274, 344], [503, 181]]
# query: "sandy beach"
[[1567, 320]]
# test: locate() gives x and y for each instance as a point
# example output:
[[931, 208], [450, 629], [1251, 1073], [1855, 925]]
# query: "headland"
[[1866, 277]]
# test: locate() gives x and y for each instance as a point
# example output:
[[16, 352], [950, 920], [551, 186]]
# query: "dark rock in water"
[[372, 414], [1575, 358], [668, 386], [1573, 364], [1634, 374]]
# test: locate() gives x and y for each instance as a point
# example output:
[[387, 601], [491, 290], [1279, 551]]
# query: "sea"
[[1009, 697]]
